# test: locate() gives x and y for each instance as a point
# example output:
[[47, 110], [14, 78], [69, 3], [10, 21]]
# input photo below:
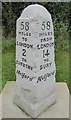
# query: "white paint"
[[31, 94]]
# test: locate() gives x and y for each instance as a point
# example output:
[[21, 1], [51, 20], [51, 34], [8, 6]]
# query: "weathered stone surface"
[[58, 110], [35, 65]]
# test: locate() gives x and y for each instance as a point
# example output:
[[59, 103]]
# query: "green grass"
[[8, 66], [0, 64], [62, 66], [8, 63], [0, 71]]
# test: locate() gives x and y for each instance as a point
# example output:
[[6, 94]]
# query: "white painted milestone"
[[35, 64]]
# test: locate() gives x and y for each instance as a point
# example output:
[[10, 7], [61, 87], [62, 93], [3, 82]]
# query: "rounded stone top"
[[35, 11]]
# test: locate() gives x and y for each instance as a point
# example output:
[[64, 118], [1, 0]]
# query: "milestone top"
[[35, 11]]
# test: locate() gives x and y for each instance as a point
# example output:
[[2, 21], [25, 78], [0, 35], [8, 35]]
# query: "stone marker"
[[35, 65]]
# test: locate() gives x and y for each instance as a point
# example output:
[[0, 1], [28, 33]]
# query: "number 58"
[[45, 25], [25, 26]]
